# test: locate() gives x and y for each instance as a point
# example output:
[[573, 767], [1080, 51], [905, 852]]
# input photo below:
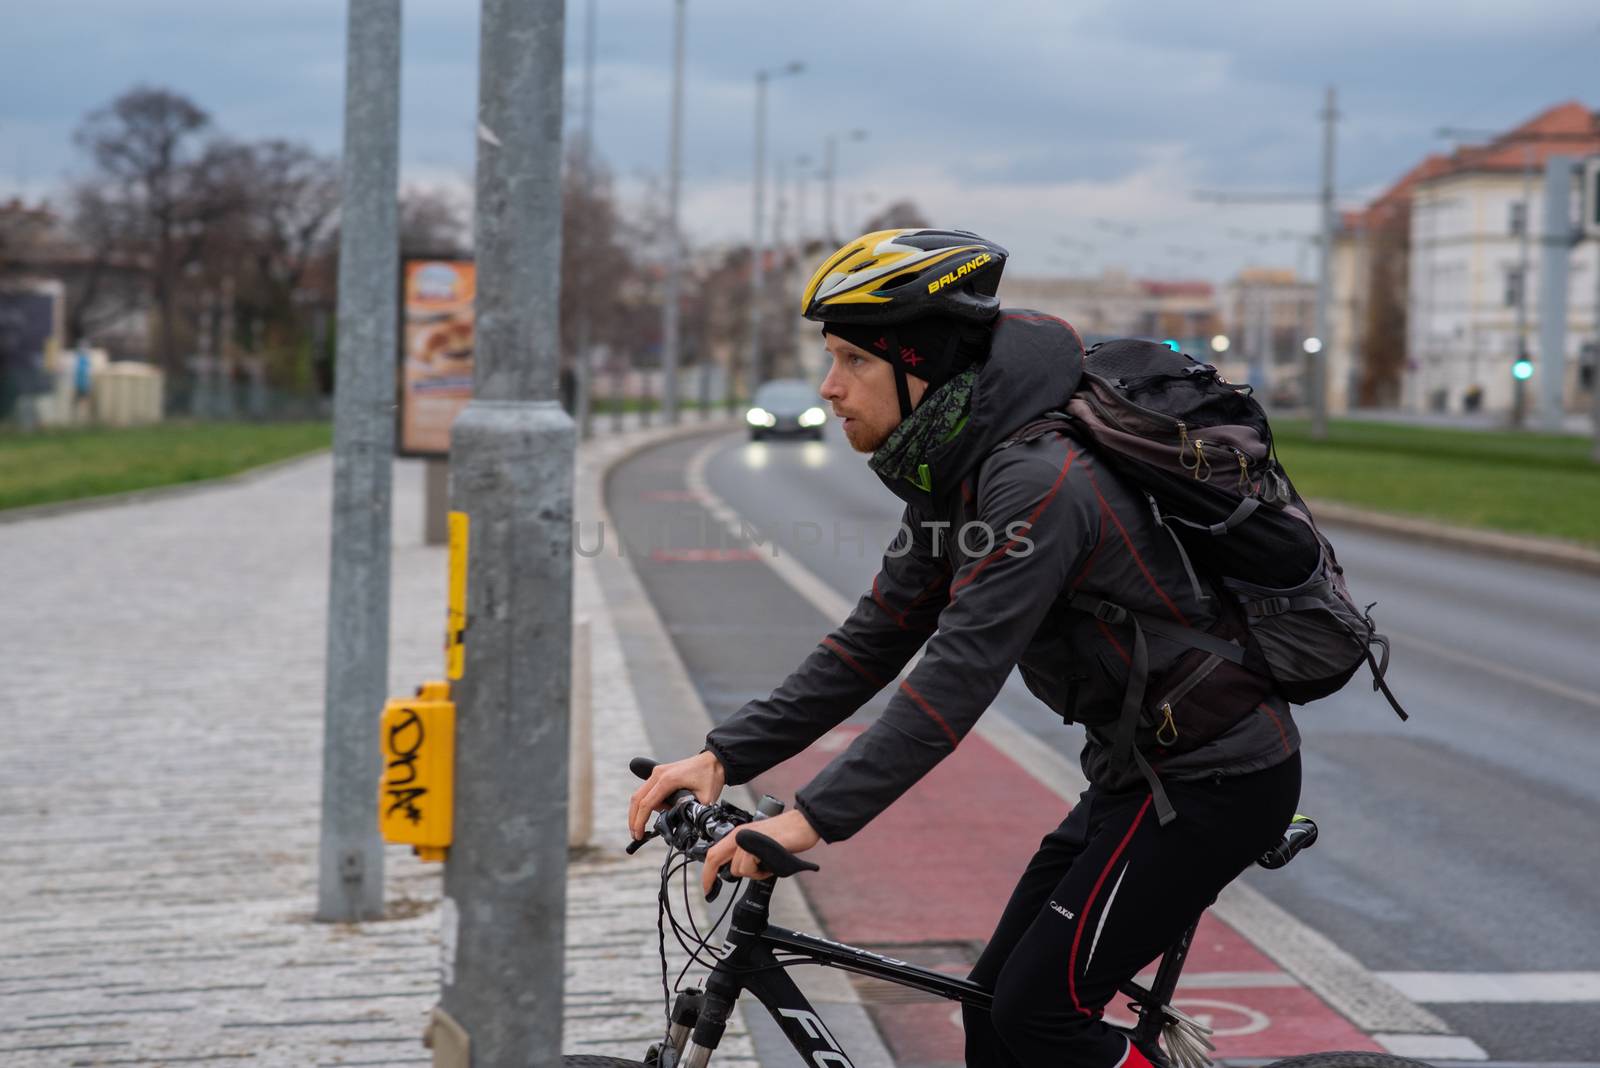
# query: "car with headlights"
[[786, 407]]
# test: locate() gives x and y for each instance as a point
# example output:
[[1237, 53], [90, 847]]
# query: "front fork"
[[699, 1018]]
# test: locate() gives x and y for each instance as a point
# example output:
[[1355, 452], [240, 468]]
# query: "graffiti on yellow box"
[[416, 795]]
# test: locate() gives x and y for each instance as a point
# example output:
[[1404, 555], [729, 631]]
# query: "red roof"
[[1175, 289], [1568, 129]]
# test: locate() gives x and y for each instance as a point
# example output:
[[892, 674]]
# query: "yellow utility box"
[[416, 797]]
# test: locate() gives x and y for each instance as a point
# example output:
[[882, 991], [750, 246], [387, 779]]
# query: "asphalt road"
[[1465, 842]]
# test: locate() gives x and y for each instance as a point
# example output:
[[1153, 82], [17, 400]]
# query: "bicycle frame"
[[752, 966]]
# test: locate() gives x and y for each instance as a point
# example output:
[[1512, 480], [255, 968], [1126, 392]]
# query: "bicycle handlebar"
[[693, 828]]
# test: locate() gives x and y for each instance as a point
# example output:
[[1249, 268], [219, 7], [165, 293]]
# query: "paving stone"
[[163, 722]]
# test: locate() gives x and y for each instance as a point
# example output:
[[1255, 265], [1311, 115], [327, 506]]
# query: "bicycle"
[[757, 954]]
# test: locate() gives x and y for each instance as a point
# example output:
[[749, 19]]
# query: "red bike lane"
[[927, 880]]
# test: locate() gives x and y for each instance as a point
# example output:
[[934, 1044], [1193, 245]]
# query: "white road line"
[[1432, 1047], [1440, 988], [1516, 675], [1332, 974]]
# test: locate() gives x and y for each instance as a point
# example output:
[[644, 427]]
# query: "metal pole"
[[619, 376], [505, 874], [1594, 366], [584, 406], [1319, 359], [758, 244], [802, 165], [1557, 239], [830, 152], [1519, 388], [669, 297], [350, 853]]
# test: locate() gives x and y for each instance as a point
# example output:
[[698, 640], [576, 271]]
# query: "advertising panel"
[[436, 339]]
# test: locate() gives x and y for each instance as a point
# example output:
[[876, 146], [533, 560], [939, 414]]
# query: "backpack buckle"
[[1271, 606], [1106, 612]]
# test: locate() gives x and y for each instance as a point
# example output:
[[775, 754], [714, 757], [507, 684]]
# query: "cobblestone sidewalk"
[[163, 715]]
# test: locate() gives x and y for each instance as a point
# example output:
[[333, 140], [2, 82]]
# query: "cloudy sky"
[[1074, 132]]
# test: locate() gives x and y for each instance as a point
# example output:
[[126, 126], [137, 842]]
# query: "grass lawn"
[[61, 465], [1522, 483]]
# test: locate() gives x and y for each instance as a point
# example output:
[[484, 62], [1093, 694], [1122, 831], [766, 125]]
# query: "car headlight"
[[813, 417], [760, 417]]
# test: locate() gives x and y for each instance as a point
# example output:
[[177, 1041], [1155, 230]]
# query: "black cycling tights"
[[1107, 892]]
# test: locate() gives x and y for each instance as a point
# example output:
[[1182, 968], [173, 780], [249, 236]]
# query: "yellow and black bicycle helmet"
[[891, 276], [918, 299]]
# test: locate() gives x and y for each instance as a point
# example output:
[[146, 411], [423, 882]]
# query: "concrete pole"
[[512, 452], [1519, 388], [1557, 239], [670, 287], [1319, 359], [758, 249], [350, 854], [436, 500], [583, 408]]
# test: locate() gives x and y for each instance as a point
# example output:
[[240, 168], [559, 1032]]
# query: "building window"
[[1513, 286], [1519, 218]]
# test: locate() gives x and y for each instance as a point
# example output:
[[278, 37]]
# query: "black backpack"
[[1201, 451]]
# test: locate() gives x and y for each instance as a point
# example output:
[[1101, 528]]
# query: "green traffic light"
[[1173, 345], [1522, 370]]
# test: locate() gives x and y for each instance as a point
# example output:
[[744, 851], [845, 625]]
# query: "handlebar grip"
[[773, 857], [641, 767]]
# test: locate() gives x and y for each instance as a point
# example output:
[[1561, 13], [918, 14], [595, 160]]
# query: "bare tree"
[[433, 222], [156, 183], [902, 214], [1383, 352]]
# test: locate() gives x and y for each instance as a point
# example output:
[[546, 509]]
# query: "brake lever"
[[724, 875], [639, 843]]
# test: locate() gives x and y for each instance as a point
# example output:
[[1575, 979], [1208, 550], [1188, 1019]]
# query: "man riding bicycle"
[[1010, 528]]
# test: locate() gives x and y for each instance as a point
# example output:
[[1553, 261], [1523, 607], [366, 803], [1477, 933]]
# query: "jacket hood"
[[1035, 363]]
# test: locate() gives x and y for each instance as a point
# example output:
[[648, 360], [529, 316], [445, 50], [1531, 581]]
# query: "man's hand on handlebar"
[[790, 829], [700, 774]]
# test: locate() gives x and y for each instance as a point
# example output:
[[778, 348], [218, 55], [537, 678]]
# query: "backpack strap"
[[1165, 628], [1246, 508], [1123, 750]]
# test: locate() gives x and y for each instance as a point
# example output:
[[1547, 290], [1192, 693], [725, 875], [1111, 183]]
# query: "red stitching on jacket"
[[1276, 722], [1088, 907], [1072, 454], [929, 709], [1154, 585], [927, 591], [890, 612], [833, 647]]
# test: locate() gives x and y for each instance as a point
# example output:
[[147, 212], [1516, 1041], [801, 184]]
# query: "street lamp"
[[1220, 343], [758, 249], [1312, 345], [830, 162]]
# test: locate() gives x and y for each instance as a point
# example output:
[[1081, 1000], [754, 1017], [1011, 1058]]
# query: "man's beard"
[[865, 439]]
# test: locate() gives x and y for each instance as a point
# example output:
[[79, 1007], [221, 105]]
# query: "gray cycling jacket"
[[987, 558]]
